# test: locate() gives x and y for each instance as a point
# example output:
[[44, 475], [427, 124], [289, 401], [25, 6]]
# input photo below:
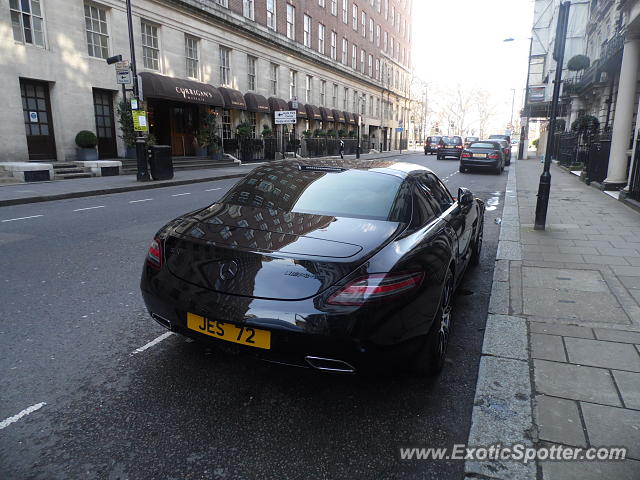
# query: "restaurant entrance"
[[174, 124]]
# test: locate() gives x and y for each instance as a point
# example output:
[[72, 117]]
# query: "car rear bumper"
[[479, 163], [445, 152]]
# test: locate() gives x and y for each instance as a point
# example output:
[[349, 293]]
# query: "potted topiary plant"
[[342, 132], [86, 142], [307, 133], [126, 127], [202, 143]]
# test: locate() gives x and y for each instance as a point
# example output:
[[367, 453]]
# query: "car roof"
[[381, 166]]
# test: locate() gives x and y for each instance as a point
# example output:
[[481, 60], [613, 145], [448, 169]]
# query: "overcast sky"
[[461, 41]]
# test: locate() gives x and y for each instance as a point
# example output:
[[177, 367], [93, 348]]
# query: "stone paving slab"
[[559, 421], [620, 470], [547, 347], [629, 385], [609, 426], [598, 353]]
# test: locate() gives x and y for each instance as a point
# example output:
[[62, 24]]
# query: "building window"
[[274, 78], [150, 46], [354, 15], [354, 56], [393, 47], [370, 112], [225, 66], [377, 69], [345, 50], [363, 104], [191, 56], [334, 7], [224, 3], [334, 97], [321, 38], [377, 35], [334, 45], [345, 99], [385, 44], [291, 22], [355, 102], [226, 124], [252, 120], [307, 31], [345, 12], [362, 57], [95, 19], [271, 14], [370, 65], [248, 9], [378, 5], [321, 3], [27, 24], [308, 91], [293, 89], [371, 29], [363, 21], [323, 92], [386, 9], [251, 72]]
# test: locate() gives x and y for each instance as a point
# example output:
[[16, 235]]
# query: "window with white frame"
[[345, 99], [321, 3], [334, 96], [334, 7], [371, 29], [291, 21], [224, 3], [226, 124], [371, 104], [323, 92], [386, 9], [251, 72], [385, 43], [28, 25], [95, 19], [377, 35], [293, 87], [273, 78], [370, 65], [355, 102], [191, 56], [321, 30], [363, 22], [308, 89], [362, 57], [363, 104], [307, 25], [334, 45], [345, 50], [271, 14], [354, 56], [354, 15], [150, 46], [345, 11], [377, 69], [248, 9], [378, 5], [225, 66], [393, 15]]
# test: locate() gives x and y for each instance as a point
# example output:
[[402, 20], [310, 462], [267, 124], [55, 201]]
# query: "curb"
[[502, 407]]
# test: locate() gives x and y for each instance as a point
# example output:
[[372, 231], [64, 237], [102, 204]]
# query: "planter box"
[[218, 156], [201, 151], [130, 152], [87, 154]]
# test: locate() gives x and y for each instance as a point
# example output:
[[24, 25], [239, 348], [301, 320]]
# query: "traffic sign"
[[294, 102], [123, 77], [285, 117]]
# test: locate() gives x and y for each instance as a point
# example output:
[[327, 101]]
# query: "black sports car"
[[340, 266]]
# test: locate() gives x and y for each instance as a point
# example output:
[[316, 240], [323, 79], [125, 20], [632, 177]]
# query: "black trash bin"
[[160, 162]]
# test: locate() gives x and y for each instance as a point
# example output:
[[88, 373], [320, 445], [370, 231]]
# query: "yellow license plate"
[[242, 334], [480, 155]]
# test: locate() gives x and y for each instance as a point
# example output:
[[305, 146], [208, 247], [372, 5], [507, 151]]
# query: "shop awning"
[[313, 112], [233, 99], [326, 114], [277, 104], [301, 112], [256, 103], [155, 85], [349, 118], [338, 116]]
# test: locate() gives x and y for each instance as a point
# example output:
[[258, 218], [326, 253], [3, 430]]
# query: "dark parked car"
[[431, 145], [500, 137], [338, 266], [485, 154], [469, 140], [506, 149], [450, 147]]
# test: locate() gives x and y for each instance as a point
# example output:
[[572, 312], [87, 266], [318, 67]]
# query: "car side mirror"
[[465, 197]]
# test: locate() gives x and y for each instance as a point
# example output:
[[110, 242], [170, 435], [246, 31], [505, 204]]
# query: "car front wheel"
[[463, 169]]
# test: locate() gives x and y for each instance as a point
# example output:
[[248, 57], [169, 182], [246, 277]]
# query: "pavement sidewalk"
[[21, 193], [561, 356]]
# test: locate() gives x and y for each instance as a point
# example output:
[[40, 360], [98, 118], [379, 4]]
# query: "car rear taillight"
[[494, 156], [458, 146], [154, 255], [379, 286], [466, 155]]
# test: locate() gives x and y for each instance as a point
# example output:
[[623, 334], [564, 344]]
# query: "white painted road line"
[[8, 421], [21, 218], [180, 194], [143, 200], [152, 343], [213, 189], [88, 208]]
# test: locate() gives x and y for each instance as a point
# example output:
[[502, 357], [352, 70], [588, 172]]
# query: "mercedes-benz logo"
[[228, 270]]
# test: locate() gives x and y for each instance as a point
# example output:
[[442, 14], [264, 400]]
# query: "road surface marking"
[[21, 218], [213, 189], [152, 343], [181, 194], [88, 208], [143, 200], [8, 421]]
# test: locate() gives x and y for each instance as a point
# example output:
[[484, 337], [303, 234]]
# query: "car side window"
[[437, 190], [424, 207]]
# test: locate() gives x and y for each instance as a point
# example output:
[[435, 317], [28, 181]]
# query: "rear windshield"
[[472, 139], [483, 145], [500, 137], [454, 141], [351, 193], [433, 139]]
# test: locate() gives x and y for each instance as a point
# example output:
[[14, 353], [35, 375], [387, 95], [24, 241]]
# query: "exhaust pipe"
[[330, 365], [162, 321]]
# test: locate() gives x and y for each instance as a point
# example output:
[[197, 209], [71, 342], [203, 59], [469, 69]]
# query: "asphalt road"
[[84, 394]]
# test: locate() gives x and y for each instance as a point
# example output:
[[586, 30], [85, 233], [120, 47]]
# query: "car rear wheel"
[[477, 246], [430, 359], [440, 157], [463, 169]]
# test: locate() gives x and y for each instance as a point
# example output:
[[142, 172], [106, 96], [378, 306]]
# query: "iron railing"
[[634, 183]]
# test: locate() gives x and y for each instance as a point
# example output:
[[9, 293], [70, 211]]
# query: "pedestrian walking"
[[341, 149]]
